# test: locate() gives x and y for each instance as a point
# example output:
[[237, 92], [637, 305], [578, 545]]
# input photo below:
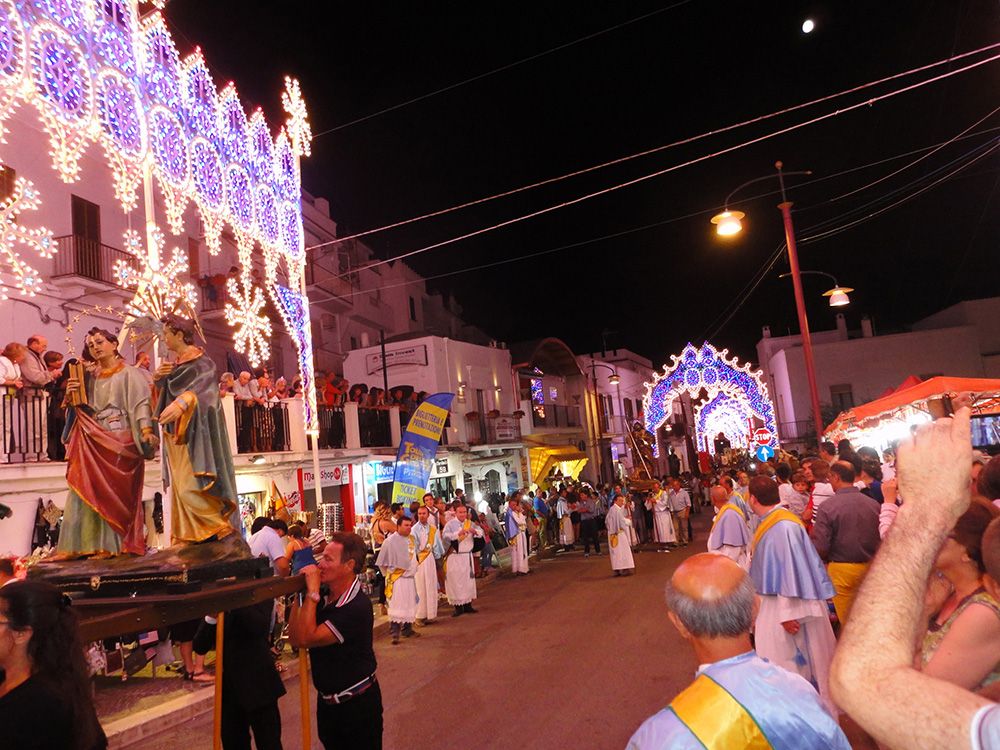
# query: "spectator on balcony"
[[57, 413], [244, 412], [358, 394], [336, 389], [280, 390], [37, 381], [376, 399], [10, 386], [226, 383], [297, 387]]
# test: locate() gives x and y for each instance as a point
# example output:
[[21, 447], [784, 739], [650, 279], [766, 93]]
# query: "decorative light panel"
[[723, 414], [12, 235], [95, 72], [709, 369], [294, 309], [245, 313], [159, 289]]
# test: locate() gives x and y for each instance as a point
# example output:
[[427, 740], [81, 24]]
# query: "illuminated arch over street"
[[735, 394]]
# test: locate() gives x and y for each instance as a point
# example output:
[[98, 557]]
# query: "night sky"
[[685, 69]]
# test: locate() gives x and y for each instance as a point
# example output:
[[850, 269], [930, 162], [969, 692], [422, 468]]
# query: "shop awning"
[[910, 394], [544, 456]]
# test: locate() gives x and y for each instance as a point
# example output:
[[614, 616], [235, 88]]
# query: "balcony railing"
[[332, 427], [30, 428], [375, 429], [556, 416], [262, 428], [80, 256], [493, 430]]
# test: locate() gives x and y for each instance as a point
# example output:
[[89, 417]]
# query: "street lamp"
[[613, 379], [729, 225], [838, 295]]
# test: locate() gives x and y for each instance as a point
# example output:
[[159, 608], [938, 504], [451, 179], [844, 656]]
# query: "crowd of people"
[[907, 551]]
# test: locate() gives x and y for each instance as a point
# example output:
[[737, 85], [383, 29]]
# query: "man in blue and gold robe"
[[738, 700]]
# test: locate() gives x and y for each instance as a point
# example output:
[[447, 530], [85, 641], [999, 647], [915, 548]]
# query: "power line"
[[501, 69], [529, 256], [673, 168], [657, 149]]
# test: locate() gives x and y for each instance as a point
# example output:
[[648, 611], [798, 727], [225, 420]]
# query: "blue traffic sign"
[[764, 452]]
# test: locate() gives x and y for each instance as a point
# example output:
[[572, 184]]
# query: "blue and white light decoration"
[[94, 70], [724, 414], [710, 369]]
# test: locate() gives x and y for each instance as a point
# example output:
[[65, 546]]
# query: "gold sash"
[[716, 718], [422, 555], [723, 509], [395, 575], [465, 527], [614, 538], [779, 514]]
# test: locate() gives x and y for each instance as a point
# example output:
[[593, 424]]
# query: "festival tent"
[[891, 416]]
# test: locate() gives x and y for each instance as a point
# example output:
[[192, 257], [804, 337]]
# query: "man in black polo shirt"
[[337, 630]]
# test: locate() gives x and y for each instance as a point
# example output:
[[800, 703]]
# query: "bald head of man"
[[719, 496], [712, 603]]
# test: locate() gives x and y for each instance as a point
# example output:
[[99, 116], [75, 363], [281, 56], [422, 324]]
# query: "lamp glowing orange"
[[728, 222], [838, 296]]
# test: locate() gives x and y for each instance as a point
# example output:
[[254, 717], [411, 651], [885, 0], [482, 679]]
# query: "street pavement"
[[567, 656]]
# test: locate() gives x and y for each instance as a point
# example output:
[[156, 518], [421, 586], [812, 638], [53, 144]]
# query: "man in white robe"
[[515, 524], [663, 526], [729, 536], [793, 625], [619, 527], [397, 560], [427, 542], [563, 513], [460, 573]]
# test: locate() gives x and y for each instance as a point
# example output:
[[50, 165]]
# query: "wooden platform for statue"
[[105, 617], [129, 594]]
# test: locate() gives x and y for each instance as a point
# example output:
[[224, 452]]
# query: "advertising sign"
[[418, 447]]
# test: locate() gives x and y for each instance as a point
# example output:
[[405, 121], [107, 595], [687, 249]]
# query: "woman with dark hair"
[[962, 643], [108, 436], [45, 699]]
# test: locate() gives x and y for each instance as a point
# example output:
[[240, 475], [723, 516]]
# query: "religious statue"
[[198, 462], [109, 433]]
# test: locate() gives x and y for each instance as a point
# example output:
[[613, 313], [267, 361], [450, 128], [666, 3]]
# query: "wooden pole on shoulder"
[[304, 697], [217, 723]]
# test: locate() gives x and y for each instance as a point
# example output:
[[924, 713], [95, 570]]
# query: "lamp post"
[[613, 379], [838, 295], [728, 223]]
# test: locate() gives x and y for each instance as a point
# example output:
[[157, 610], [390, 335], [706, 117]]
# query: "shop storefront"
[[377, 483]]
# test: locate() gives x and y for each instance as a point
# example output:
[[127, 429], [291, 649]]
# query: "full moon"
[[807, 26]]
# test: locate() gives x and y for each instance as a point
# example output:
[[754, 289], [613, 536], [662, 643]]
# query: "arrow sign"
[[764, 452], [762, 436]]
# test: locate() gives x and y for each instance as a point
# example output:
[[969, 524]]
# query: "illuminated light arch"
[[735, 392]]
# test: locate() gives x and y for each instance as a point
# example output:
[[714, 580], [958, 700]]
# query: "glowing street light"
[[838, 295], [734, 226], [728, 222]]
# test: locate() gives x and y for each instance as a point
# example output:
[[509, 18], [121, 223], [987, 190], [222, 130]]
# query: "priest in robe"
[[729, 535], [564, 514], [619, 527], [793, 625], [427, 542], [459, 572], [516, 523], [663, 525], [737, 700], [397, 559]]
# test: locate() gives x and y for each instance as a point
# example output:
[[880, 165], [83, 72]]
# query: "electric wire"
[[682, 142], [501, 69], [675, 167]]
